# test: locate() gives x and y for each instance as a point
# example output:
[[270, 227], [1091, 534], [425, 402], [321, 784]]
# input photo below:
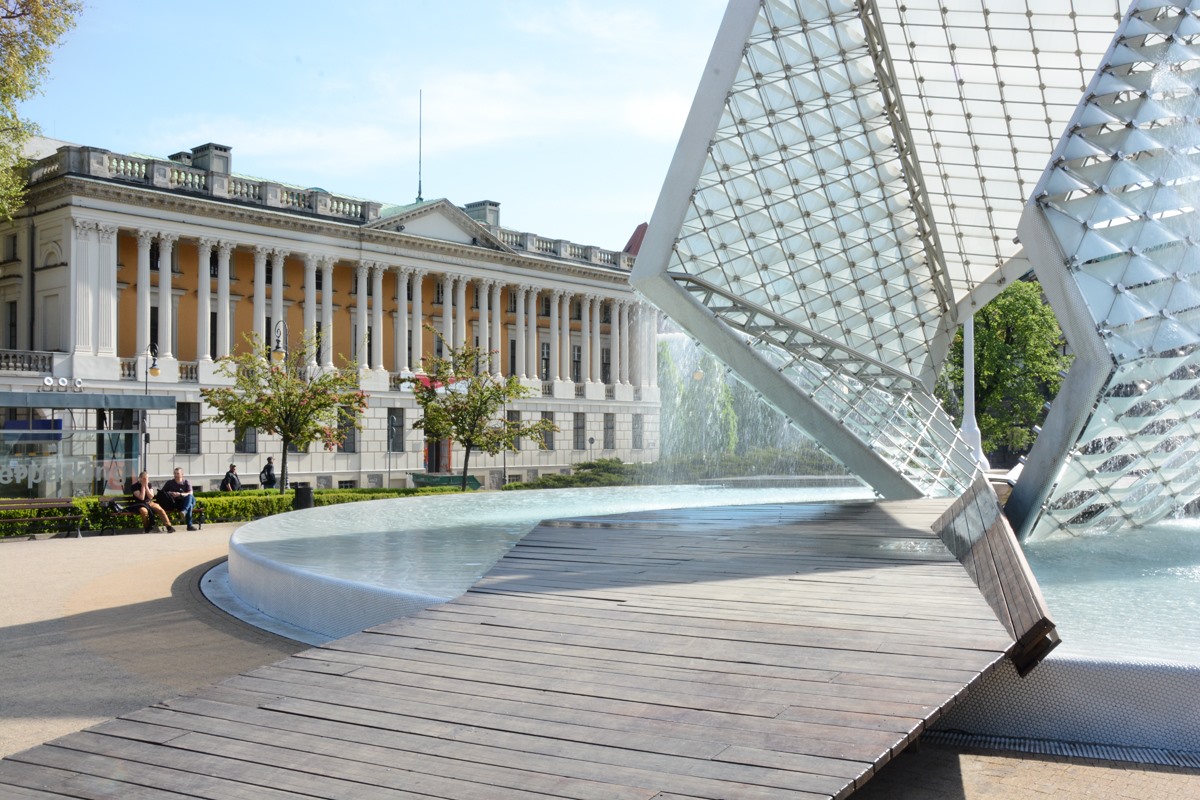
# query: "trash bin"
[[304, 496]]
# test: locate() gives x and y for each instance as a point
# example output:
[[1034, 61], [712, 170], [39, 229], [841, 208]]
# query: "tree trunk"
[[466, 461], [283, 467]]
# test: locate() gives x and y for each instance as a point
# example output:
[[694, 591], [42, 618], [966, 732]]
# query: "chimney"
[[216, 158], [486, 212]]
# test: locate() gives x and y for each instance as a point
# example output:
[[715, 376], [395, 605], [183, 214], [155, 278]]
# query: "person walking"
[[143, 501], [266, 478], [177, 495], [231, 482]]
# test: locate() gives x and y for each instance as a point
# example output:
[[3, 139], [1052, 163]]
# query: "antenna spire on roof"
[[420, 125]]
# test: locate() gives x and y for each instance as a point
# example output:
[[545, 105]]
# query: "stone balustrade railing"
[[175, 175], [129, 369], [532, 243], [26, 361], [189, 372]]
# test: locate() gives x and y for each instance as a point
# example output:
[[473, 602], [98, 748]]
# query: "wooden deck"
[[760, 652]]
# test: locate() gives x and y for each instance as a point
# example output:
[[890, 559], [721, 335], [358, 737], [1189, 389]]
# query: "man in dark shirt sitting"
[[176, 495]]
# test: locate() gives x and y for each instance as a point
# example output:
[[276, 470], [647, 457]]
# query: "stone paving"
[[97, 627]]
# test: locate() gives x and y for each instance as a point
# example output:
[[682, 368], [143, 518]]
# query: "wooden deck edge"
[[976, 531]]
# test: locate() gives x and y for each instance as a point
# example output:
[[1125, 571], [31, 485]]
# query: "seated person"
[[143, 501], [176, 495]]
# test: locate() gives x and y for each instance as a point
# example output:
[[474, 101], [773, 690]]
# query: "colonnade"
[[630, 338]]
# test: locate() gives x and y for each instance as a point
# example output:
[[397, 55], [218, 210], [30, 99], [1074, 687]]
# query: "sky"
[[566, 112]]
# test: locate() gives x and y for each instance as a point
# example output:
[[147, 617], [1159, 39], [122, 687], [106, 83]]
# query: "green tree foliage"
[[1018, 358], [29, 29], [283, 396], [463, 401]]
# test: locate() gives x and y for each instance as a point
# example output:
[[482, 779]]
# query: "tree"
[[698, 417], [460, 399], [1018, 361], [286, 397], [29, 29]]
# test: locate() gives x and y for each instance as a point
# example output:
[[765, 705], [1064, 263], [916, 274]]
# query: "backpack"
[[263, 477]]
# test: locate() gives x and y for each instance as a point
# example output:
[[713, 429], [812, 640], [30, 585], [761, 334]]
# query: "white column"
[[635, 342], [564, 336], [203, 299], [224, 249], [614, 344], [585, 337], [597, 309], [106, 306], [360, 346], [259, 322], [448, 312], [418, 322], [485, 346], [166, 322], [327, 312], [145, 239], [532, 354], [497, 317], [310, 307], [400, 322], [554, 334], [625, 343], [277, 260], [460, 319], [377, 317], [83, 300], [519, 368]]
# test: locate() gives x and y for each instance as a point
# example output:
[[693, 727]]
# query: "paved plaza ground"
[[97, 627]]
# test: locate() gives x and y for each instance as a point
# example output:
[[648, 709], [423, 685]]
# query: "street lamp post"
[[279, 354], [151, 369], [391, 438]]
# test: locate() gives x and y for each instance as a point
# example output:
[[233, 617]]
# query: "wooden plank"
[[766, 652]]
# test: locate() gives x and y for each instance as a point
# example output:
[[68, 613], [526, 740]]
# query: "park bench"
[[118, 507], [44, 511]]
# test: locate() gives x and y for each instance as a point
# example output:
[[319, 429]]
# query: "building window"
[[10, 319], [576, 309], [605, 365], [548, 436], [544, 310], [610, 431], [349, 434], [606, 312], [319, 279], [212, 332], [269, 275], [395, 430], [187, 428], [247, 442], [154, 255], [10, 247], [513, 367], [514, 418], [576, 363], [439, 293], [637, 431], [580, 431], [545, 361], [347, 484], [212, 263], [154, 326], [512, 302], [292, 448]]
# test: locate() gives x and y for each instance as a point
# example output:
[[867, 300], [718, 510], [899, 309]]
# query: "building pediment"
[[438, 219]]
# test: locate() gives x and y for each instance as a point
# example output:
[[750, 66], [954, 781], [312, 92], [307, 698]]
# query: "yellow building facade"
[[118, 263]]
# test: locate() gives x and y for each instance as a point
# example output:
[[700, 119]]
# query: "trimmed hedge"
[[218, 507]]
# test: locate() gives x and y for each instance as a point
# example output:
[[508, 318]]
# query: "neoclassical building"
[[119, 263]]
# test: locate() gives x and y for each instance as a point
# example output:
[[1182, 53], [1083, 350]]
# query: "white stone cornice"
[[209, 211]]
